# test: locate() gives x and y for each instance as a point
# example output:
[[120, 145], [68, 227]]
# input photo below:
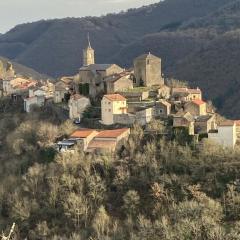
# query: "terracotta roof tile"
[[227, 123], [115, 97], [198, 102], [82, 133]]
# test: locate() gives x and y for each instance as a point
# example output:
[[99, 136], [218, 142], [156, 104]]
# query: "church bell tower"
[[88, 54]]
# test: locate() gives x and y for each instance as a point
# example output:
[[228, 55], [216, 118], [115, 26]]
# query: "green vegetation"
[[153, 188]]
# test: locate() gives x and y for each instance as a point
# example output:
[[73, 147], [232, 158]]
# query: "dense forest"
[[154, 187]]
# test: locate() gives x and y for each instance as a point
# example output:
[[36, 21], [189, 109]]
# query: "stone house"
[[33, 101], [141, 116], [95, 141], [108, 140], [111, 105], [205, 123], [225, 135], [196, 107], [118, 82], [77, 105], [84, 136], [184, 119], [186, 94], [162, 109], [60, 91], [91, 78], [148, 71], [144, 116], [135, 96]]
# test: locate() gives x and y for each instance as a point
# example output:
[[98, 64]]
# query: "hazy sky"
[[13, 12]]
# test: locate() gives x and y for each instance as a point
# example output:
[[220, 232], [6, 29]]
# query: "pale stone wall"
[[119, 85], [59, 96], [162, 110], [110, 108], [88, 56], [36, 100], [226, 136], [148, 71], [77, 107], [112, 70]]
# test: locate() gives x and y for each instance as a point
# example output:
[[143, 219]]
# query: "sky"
[[13, 12]]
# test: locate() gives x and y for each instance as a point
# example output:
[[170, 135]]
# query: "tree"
[[131, 203]]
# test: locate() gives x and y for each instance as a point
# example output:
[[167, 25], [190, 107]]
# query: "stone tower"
[[148, 70], [88, 55]]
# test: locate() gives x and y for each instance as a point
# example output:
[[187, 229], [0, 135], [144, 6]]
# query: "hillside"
[[23, 70], [55, 47]]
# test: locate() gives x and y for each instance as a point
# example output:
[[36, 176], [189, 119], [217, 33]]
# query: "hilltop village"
[[105, 100]]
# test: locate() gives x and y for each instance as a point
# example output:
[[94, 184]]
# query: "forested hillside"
[[153, 188]]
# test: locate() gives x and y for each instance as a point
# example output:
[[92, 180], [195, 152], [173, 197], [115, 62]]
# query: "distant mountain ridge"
[[197, 40], [54, 47]]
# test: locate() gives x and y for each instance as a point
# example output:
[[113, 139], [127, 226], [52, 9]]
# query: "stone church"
[[148, 71], [91, 75], [97, 79]]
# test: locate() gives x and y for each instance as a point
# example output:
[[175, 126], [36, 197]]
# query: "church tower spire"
[[88, 54]]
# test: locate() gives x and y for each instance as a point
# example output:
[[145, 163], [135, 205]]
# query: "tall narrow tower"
[[88, 54]]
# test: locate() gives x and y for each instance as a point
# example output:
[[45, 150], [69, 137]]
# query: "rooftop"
[[227, 123], [198, 102], [147, 56], [96, 67], [204, 118], [115, 97], [82, 133]]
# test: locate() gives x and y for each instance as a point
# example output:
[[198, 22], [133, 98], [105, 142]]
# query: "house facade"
[[196, 107], [33, 101], [77, 105], [184, 120], [225, 135], [162, 109], [205, 123], [118, 82], [186, 94], [112, 104]]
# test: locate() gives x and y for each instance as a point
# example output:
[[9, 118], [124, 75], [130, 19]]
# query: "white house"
[[226, 134], [112, 104]]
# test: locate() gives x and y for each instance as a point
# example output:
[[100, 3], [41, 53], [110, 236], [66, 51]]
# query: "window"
[[109, 110], [148, 62]]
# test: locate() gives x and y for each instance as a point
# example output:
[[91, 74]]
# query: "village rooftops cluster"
[[137, 95]]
